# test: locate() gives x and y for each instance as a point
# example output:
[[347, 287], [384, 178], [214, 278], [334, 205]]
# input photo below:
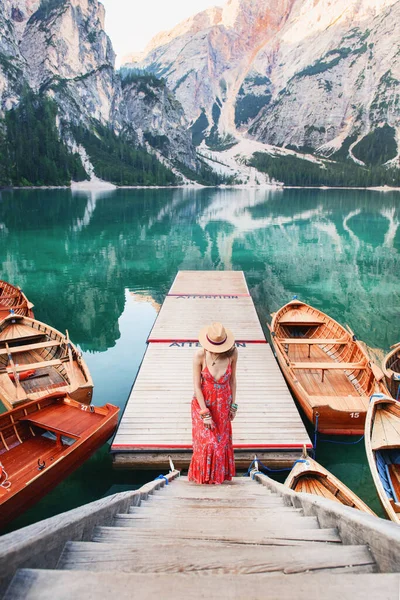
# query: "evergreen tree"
[[35, 155]]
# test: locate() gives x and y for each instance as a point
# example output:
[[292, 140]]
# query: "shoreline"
[[105, 186]]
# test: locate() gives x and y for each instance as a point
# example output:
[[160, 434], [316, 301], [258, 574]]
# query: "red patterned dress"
[[213, 460]]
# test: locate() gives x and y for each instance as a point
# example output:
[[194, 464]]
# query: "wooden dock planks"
[[182, 317], [210, 283], [157, 419]]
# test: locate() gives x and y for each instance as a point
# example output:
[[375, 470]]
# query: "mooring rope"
[[268, 469], [162, 477]]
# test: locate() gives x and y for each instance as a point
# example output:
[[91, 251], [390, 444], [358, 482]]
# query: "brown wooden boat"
[[382, 445], [327, 369], [44, 441], [12, 299], [312, 478], [391, 369], [36, 360]]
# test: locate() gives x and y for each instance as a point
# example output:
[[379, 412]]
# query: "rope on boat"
[[342, 443], [162, 477], [316, 438], [6, 484], [316, 434], [257, 461]]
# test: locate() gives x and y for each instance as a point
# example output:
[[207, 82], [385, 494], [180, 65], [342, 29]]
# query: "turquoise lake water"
[[98, 264]]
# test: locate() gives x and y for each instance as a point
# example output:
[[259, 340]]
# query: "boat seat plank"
[[38, 365], [38, 337], [296, 316], [66, 420], [385, 431], [29, 347], [343, 366], [352, 403], [310, 341]]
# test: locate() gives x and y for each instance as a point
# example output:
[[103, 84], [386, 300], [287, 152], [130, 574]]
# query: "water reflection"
[[86, 260], [77, 254]]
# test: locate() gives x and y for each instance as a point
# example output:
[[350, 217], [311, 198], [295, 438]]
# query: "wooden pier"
[[157, 421]]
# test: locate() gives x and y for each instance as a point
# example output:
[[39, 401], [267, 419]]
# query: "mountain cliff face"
[[158, 118], [12, 64], [71, 58], [59, 49], [338, 83], [306, 73]]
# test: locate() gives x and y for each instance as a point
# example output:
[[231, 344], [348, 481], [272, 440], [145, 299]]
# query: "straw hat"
[[216, 338]]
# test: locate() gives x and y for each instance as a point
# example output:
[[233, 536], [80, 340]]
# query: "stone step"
[[226, 490], [194, 492], [219, 522], [278, 536], [230, 558], [63, 585], [237, 512], [158, 500], [236, 481]]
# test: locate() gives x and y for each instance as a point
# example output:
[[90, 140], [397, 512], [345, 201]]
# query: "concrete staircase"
[[236, 541]]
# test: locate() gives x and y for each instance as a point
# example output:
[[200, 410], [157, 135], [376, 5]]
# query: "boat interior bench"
[[329, 366], [66, 420], [312, 341], [291, 319], [38, 365], [357, 404], [29, 347]]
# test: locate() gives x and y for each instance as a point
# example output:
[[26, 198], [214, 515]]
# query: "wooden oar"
[[18, 386]]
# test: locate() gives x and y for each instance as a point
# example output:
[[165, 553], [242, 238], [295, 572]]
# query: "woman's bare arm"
[[233, 375], [197, 368]]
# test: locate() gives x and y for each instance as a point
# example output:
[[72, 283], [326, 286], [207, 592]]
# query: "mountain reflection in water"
[[85, 259], [76, 254]]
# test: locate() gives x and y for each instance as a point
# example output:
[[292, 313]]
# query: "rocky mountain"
[[312, 74], [59, 50], [12, 64], [295, 79], [70, 56], [158, 118]]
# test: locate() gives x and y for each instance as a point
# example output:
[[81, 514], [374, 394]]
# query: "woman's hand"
[[207, 419], [208, 422], [233, 411]]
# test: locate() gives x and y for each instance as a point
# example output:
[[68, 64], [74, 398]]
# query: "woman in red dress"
[[213, 406]]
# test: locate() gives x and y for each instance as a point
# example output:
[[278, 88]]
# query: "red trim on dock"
[[157, 341], [209, 295], [235, 446]]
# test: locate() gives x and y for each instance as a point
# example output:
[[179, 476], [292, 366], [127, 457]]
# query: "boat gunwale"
[[369, 423], [318, 470]]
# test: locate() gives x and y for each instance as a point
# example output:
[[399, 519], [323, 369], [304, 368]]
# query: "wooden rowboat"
[[44, 441], [327, 369], [13, 299], [312, 478], [382, 444], [36, 360], [391, 369]]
